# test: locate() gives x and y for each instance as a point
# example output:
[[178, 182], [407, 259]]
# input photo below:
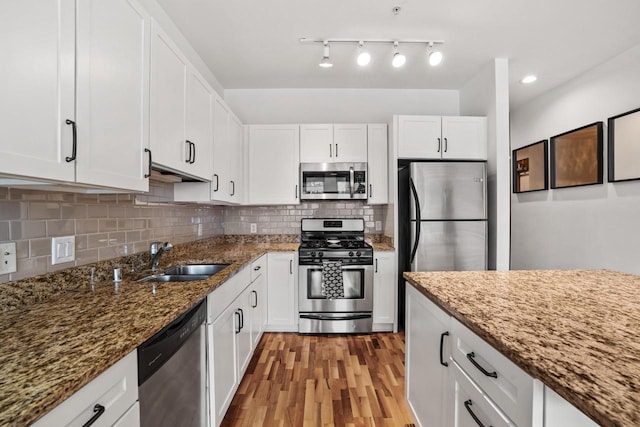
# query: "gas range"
[[335, 240]]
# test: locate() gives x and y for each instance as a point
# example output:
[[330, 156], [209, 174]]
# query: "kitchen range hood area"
[[186, 240]]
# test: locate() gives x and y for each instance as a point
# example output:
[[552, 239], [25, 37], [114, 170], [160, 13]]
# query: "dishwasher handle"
[[154, 352]]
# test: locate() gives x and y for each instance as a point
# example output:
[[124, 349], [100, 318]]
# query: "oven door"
[[358, 290]]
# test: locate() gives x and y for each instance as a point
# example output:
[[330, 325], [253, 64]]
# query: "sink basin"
[[186, 273], [174, 278], [196, 269]]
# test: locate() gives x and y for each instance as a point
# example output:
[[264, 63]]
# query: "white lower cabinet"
[[560, 413], [470, 406], [384, 291], [282, 292], [426, 359], [235, 323], [113, 394]]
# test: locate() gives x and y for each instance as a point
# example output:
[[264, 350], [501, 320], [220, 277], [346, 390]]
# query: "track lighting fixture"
[[398, 58], [364, 58], [325, 62], [435, 56]]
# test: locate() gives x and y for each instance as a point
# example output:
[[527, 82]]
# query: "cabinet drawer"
[[116, 390], [224, 295], [258, 267], [471, 407], [503, 382]]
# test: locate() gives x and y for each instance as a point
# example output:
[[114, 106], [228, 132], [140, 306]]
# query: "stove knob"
[[320, 254], [312, 254], [358, 253], [350, 253]]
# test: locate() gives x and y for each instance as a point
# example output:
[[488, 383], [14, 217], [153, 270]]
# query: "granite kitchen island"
[[576, 331]]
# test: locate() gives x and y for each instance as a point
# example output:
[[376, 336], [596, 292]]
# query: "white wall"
[[265, 106], [595, 226], [487, 94]]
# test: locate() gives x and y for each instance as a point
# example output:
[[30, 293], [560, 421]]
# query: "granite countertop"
[[574, 330], [59, 332]]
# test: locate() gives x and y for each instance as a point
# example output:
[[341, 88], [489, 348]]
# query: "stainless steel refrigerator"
[[448, 216], [442, 208]]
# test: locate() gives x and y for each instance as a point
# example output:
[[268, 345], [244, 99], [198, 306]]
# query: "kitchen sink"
[[196, 269], [186, 273]]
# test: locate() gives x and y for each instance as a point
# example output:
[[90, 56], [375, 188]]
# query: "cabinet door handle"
[[376, 265], [330, 152], [255, 295], [471, 356], [98, 410], [445, 145], [75, 140], [233, 188], [439, 145], [148, 174], [296, 191], [442, 335], [194, 153], [336, 150], [370, 190], [215, 175], [241, 318], [290, 266], [238, 327], [467, 404], [188, 158]]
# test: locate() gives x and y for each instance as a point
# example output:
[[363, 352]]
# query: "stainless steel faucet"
[[156, 249]]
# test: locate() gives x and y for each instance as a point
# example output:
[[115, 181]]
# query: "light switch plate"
[[63, 249], [8, 258], [254, 227]]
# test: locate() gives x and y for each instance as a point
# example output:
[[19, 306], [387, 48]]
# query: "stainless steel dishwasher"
[[172, 374]]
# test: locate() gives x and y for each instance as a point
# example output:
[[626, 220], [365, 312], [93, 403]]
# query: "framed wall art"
[[576, 157], [530, 167], [624, 146]]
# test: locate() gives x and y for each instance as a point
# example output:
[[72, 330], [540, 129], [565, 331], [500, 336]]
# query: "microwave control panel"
[[360, 182]]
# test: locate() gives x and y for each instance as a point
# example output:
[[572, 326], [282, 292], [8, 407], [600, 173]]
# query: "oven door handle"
[[345, 317], [352, 181]]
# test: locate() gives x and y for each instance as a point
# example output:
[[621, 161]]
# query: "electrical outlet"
[[254, 227], [63, 249], [8, 258], [378, 225]]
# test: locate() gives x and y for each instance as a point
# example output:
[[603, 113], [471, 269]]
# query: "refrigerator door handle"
[[417, 219]]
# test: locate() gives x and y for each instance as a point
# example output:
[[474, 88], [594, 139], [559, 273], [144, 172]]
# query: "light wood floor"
[[331, 380]]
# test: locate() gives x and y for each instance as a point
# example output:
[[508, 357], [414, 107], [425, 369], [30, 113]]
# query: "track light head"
[[434, 56], [398, 58], [363, 56], [326, 62]]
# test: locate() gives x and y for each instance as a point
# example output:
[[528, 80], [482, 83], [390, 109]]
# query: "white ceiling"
[[255, 43]]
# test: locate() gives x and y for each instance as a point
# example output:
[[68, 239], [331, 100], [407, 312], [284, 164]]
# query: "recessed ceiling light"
[[529, 79]]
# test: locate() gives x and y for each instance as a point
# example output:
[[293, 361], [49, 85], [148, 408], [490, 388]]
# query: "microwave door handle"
[[351, 181]]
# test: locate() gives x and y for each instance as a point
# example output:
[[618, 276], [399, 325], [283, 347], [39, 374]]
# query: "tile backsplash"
[[108, 226], [105, 225], [286, 219]]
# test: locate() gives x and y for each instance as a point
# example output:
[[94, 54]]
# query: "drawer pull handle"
[[255, 294], [239, 324], [442, 335], [256, 268], [98, 410], [471, 356], [467, 404]]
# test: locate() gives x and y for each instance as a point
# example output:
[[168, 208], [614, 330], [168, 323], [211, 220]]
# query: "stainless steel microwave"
[[333, 181]]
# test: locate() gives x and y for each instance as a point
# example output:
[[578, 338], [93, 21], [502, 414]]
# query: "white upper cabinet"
[[112, 113], [181, 103], [168, 101], [199, 126], [101, 145], [328, 143], [435, 137], [37, 89], [226, 185], [464, 138], [272, 164], [378, 175]]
